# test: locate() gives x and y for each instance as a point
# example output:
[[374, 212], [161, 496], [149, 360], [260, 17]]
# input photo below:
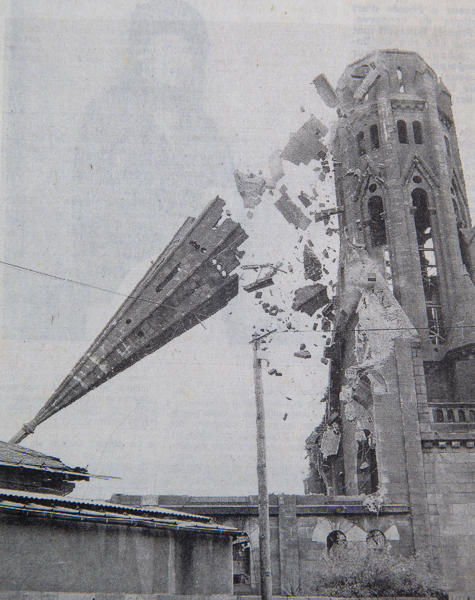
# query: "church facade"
[[400, 408]]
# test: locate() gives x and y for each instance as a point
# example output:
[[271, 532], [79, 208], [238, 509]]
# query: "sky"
[[95, 182]]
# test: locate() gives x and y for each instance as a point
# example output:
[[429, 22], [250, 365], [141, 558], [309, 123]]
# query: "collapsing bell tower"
[[399, 423]]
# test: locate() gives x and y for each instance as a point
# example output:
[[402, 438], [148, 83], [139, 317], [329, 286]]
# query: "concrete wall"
[[79, 556], [450, 481], [299, 527]]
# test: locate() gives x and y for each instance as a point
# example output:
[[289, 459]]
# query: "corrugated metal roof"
[[98, 505], [19, 456], [91, 510]]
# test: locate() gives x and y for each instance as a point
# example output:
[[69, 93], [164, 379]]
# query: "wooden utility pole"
[[264, 526]]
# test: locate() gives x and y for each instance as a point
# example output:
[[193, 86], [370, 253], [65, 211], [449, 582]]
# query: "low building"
[[68, 545]]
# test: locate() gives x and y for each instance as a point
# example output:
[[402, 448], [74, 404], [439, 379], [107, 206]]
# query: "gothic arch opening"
[[417, 131], [377, 222], [402, 132], [374, 136], [367, 469], [336, 539], [429, 271]]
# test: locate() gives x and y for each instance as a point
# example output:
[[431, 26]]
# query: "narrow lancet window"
[[402, 89], [402, 132], [361, 143], [374, 135], [377, 224], [417, 131]]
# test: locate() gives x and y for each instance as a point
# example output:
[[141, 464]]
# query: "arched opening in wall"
[[471, 414], [417, 131], [377, 223], [336, 540], [376, 539], [242, 563], [361, 143], [374, 136], [402, 132], [461, 415], [450, 416], [429, 271], [438, 415], [366, 466], [400, 79]]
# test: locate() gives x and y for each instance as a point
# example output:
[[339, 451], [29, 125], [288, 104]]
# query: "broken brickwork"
[[399, 423]]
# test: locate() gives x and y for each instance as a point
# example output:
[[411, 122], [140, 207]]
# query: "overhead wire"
[[155, 303]]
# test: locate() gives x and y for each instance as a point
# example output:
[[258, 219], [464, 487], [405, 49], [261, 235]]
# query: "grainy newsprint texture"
[[237, 300]]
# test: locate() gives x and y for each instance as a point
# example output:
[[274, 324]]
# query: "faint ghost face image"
[[166, 59]]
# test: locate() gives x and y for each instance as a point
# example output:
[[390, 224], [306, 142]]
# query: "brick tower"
[[399, 424]]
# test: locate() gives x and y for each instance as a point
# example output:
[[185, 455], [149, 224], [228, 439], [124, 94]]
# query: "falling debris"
[[284, 418], [264, 281], [291, 212], [310, 298], [312, 266], [325, 90], [304, 199], [276, 170], [259, 284], [251, 187], [305, 144], [325, 214], [303, 352]]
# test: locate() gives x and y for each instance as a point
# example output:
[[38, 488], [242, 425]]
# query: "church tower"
[[399, 424]]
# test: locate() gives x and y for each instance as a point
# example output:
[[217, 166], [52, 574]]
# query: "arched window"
[[471, 413], [361, 144], [374, 135], [461, 415], [450, 416], [438, 415], [367, 469], [402, 89], [402, 132], [417, 131], [376, 539], [336, 539], [377, 223]]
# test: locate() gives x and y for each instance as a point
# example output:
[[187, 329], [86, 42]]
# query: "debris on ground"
[[250, 187], [312, 266], [310, 298], [305, 144], [291, 212]]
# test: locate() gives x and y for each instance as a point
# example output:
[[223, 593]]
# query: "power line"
[[148, 300]]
